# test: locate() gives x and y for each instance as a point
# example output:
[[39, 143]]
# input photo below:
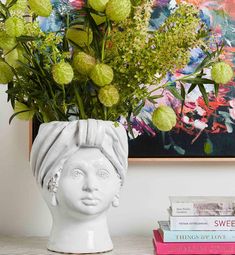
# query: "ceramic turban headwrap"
[[57, 141]]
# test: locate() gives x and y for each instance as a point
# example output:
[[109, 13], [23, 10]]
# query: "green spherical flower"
[[98, 5], [164, 118], [12, 57], [27, 114], [7, 42], [62, 73], [118, 10], [98, 19], [79, 36], [20, 5], [84, 63], [108, 95], [102, 74], [21, 56], [41, 7], [221, 73], [6, 74], [14, 26]]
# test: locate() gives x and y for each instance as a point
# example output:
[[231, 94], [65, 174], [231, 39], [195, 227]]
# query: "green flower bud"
[[6, 74], [108, 95], [118, 10], [62, 73], [98, 19], [79, 36], [221, 73], [27, 115], [41, 7], [98, 5], [102, 74], [84, 63], [32, 29], [164, 118], [14, 26], [208, 147]]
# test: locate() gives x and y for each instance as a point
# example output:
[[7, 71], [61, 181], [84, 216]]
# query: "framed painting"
[[202, 132]]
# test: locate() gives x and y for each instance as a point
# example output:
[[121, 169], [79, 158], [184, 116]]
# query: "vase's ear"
[[115, 202]]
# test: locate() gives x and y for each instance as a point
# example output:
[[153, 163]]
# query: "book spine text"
[[191, 248], [197, 236], [202, 223]]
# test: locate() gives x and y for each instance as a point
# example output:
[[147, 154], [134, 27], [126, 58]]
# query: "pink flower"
[[77, 4]]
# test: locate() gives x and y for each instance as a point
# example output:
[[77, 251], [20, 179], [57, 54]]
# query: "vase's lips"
[[90, 201]]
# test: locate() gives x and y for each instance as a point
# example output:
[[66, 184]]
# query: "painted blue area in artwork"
[[54, 22]]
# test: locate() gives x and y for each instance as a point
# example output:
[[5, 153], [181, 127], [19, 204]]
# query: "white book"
[[202, 223], [205, 206]]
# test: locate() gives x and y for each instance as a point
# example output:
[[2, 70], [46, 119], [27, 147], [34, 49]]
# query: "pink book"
[[191, 248]]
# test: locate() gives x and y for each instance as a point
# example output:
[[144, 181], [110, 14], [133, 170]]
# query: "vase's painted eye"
[[102, 173], [77, 173]]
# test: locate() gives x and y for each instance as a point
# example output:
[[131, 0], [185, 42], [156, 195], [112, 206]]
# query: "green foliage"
[[139, 56], [133, 57]]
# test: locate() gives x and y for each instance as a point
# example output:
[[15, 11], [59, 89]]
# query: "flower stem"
[[104, 40], [169, 82], [80, 104], [64, 97]]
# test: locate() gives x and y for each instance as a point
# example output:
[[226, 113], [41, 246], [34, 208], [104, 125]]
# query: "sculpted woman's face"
[[88, 183]]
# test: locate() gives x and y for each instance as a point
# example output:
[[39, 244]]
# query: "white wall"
[[144, 199]]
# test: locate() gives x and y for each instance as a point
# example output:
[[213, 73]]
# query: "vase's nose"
[[90, 184]]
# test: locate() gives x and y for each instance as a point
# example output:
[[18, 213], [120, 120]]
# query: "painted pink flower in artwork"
[[77, 4], [232, 109], [160, 2], [232, 103], [232, 113], [199, 124], [228, 6], [198, 3], [195, 2]]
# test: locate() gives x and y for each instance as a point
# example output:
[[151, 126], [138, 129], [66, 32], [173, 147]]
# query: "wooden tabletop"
[[125, 245]]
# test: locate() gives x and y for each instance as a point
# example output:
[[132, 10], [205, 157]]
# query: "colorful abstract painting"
[[201, 131]]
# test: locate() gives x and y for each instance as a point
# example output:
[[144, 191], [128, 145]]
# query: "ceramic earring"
[[115, 202], [54, 201], [53, 186]]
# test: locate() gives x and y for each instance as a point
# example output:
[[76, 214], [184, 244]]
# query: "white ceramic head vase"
[[80, 167]]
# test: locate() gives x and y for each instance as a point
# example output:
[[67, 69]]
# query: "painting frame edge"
[[152, 160], [180, 160]]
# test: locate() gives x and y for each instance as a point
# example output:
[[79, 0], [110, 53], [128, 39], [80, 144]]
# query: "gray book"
[[202, 206]]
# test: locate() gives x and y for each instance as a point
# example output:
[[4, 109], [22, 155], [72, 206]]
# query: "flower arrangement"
[[65, 60]]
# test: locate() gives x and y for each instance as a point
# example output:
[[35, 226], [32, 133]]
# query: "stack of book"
[[197, 225]]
